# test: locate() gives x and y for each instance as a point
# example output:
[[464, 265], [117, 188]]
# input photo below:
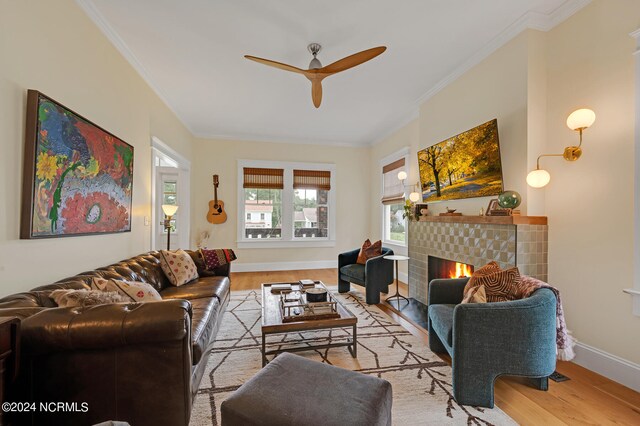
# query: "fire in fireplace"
[[445, 268]]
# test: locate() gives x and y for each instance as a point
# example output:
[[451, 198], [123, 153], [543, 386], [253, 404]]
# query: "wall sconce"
[[414, 196], [169, 210], [578, 120]]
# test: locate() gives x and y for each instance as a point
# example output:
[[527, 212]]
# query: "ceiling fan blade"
[[353, 60], [316, 92], [275, 64]]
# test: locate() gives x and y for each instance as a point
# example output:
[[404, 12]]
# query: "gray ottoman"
[[292, 390]]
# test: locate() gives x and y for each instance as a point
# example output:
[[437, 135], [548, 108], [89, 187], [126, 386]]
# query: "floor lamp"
[[169, 211]]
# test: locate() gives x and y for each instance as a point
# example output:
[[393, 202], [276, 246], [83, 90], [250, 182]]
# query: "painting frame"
[[30, 192]]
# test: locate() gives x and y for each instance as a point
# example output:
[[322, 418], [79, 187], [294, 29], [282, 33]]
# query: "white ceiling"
[[191, 53]]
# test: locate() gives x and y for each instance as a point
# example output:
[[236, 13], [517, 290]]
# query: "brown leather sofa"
[[137, 362]]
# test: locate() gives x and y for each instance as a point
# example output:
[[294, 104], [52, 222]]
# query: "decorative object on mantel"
[[422, 210], [493, 209], [451, 212], [77, 178], [464, 166], [578, 120], [409, 211], [509, 199]]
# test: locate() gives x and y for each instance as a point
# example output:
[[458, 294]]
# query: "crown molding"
[[277, 139], [96, 17]]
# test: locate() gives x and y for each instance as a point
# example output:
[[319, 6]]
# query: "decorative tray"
[[294, 307]]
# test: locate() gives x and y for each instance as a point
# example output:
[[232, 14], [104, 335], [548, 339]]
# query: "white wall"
[[590, 202], [53, 47], [220, 157]]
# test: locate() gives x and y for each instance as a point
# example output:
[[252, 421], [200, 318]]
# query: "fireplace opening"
[[445, 268]]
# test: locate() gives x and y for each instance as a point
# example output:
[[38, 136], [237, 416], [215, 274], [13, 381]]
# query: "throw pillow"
[[132, 291], [476, 295], [72, 298], [489, 268], [217, 257], [368, 250], [502, 286], [178, 266]]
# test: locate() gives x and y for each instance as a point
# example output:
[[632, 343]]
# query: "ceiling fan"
[[316, 72]]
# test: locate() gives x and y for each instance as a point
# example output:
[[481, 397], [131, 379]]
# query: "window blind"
[[393, 190], [260, 178], [312, 179]]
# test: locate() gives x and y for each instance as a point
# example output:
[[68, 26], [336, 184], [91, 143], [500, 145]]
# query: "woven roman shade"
[[393, 190], [260, 178], [312, 179]]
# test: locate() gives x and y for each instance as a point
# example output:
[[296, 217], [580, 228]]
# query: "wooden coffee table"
[[272, 324]]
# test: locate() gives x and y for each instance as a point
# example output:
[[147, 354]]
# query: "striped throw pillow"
[[490, 268]]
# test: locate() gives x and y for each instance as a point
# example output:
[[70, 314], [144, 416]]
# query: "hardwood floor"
[[588, 398]]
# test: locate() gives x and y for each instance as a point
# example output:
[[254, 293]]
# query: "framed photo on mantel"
[[78, 177]]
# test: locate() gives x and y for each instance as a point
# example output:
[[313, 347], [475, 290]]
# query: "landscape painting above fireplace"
[[78, 177], [464, 166]]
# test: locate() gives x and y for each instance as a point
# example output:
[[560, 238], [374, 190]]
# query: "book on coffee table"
[[307, 283], [279, 288]]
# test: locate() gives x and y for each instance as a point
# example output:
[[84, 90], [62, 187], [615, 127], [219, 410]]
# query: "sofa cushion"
[[203, 287], [354, 271], [203, 325], [441, 317]]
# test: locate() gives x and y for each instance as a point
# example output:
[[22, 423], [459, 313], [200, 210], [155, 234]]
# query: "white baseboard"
[[404, 277], [613, 367], [283, 266]]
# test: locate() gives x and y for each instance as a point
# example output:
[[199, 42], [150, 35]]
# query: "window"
[[394, 226], [293, 201], [263, 199]]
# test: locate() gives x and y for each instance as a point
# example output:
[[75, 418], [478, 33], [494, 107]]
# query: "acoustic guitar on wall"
[[216, 214]]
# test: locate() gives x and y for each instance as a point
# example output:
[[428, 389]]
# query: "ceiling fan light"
[[315, 64]]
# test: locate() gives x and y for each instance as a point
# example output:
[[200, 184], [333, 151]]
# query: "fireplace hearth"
[[445, 268]]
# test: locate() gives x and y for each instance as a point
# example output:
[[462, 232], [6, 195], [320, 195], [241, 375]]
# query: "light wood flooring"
[[588, 398]]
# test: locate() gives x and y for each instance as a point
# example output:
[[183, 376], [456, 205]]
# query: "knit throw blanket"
[[564, 340]]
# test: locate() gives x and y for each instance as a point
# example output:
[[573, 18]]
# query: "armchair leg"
[[343, 286], [373, 296], [435, 344], [541, 383], [477, 390]]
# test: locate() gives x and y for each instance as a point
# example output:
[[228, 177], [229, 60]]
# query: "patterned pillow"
[[489, 268], [71, 298], [178, 266], [217, 257], [368, 251], [502, 286], [133, 291], [476, 295]]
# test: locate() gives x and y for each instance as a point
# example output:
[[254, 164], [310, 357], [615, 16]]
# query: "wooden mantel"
[[499, 220]]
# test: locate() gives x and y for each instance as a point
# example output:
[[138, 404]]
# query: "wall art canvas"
[[464, 166], [78, 178]]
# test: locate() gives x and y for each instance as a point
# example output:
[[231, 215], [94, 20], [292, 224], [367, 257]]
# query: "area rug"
[[420, 380]]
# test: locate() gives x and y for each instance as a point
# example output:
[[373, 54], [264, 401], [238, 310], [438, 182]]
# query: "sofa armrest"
[[347, 258], [379, 270], [106, 326], [446, 291]]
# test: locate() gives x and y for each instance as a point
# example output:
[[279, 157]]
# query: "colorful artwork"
[[464, 166], [78, 177]]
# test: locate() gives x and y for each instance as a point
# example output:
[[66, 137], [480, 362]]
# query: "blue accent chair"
[[487, 340], [375, 276]]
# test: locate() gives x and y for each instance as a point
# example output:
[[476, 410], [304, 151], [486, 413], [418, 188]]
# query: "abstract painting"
[[464, 166], [78, 178]]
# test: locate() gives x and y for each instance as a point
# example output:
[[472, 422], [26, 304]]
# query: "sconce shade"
[[402, 175], [414, 197], [581, 119], [169, 209], [538, 178]]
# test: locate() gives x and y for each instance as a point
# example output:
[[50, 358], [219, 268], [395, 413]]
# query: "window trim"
[[398, 247], [288, 239]]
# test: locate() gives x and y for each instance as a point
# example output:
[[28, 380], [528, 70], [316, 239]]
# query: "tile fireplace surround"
[[476, 240]]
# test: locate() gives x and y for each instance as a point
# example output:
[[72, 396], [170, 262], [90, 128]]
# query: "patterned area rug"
[[421, 381]]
